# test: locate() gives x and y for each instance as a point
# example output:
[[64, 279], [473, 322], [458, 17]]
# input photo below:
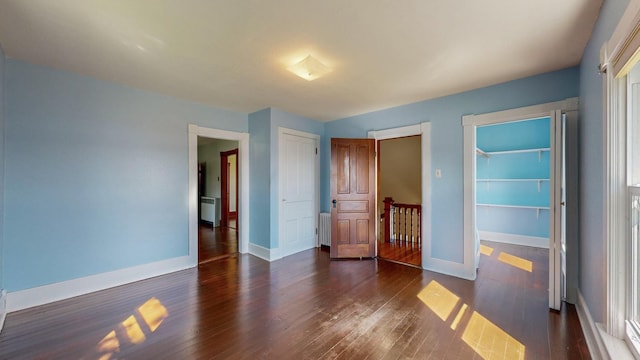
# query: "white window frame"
[[618, 56]]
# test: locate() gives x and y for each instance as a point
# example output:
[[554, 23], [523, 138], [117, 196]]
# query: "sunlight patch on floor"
[[130, 332], [516, 261], [484, 337], [489, 341], [486, 250], [439, 299]]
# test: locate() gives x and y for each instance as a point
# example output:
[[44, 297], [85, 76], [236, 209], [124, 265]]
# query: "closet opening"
[[513, 184]]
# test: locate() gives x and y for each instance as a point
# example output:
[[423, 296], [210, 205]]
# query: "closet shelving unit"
[[488, 181]]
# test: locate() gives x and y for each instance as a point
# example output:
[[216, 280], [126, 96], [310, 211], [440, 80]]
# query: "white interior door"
[[298, 174], [557, 241]]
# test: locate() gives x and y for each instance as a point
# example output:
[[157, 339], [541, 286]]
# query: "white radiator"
[[325, 229]]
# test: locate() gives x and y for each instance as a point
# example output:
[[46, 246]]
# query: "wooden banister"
[[402, 222]]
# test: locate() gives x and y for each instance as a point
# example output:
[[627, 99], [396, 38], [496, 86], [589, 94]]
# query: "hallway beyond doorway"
[[216, 242]]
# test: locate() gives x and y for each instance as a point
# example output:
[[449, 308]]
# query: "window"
[[632, 329], [620, 57]]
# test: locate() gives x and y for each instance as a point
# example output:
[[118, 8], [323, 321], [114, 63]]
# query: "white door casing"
[[298, 177]]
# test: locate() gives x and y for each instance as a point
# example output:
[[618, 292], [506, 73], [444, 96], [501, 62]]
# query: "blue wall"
[[260, 177], [263, 129], [592, 170], [2, 108], [96, 177], [445, 115], [521, 135]]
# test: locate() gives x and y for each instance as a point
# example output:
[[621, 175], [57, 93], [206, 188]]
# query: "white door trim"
[[423, 129], [316, 199], [469, 123], [243, 185]]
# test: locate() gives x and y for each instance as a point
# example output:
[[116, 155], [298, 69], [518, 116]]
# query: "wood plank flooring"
[[306, 306], [404, 252], [216, 242]]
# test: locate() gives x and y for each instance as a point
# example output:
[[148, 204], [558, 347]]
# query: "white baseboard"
[[41, 295], [264, 253], [3, 307], [515, 239], [589, 329]]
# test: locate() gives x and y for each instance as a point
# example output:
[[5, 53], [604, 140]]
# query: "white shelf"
[[488, 154], [509, 180], [536, 208], [539, 181], [516, 151], [515, 206]]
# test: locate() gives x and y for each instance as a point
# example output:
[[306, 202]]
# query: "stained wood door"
[[352, 198]]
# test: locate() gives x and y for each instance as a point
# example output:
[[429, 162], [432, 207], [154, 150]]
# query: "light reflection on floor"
[[439, 299], [133, 330], [516, 261], [489, 341], [486, 250], [483, 336], [508, 259]]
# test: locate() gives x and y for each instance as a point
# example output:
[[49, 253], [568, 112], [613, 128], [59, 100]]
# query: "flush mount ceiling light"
[[309, 68]]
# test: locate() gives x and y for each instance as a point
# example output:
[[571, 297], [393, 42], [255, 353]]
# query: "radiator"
[[325, 229]]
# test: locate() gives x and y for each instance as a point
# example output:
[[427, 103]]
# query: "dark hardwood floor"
[[401, 251], [307, 307], [216, 242]]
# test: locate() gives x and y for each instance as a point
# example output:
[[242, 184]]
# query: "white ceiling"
[[233, 54]]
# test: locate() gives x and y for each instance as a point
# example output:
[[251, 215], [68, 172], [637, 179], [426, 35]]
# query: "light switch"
[[438, 173]]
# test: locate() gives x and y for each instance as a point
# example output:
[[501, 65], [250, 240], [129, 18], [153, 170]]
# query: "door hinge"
[[316, 151], [316, 231]]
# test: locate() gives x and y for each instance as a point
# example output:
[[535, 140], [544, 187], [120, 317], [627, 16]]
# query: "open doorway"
[[513, 172], [229, 188], [563, 231], [216, 239], [400, 199]]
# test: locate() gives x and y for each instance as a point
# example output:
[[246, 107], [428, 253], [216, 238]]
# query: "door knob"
[[334, 202]]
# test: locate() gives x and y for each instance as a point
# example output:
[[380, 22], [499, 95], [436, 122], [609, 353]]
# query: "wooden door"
[[224, 185], [352, 198]]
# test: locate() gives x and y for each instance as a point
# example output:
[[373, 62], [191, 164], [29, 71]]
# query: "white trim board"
[[601, 345], [535, 241], [264, 253], [591, 334], [3, 308], [45, 294]]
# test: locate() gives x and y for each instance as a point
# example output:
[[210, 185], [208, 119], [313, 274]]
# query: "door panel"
[[298, 207], [353, 198], [556, 223]]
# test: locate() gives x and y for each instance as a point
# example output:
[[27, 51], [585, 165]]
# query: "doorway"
[[400, 199], [513, 170], [216, 239], [559, 113], [229, 188]]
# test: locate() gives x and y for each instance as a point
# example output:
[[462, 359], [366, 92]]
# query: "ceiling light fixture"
[[309, 68]]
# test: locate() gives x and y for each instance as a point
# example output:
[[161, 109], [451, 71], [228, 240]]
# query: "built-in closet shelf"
[[536, 208], [539, 181], [488, 154], [496, 180]]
